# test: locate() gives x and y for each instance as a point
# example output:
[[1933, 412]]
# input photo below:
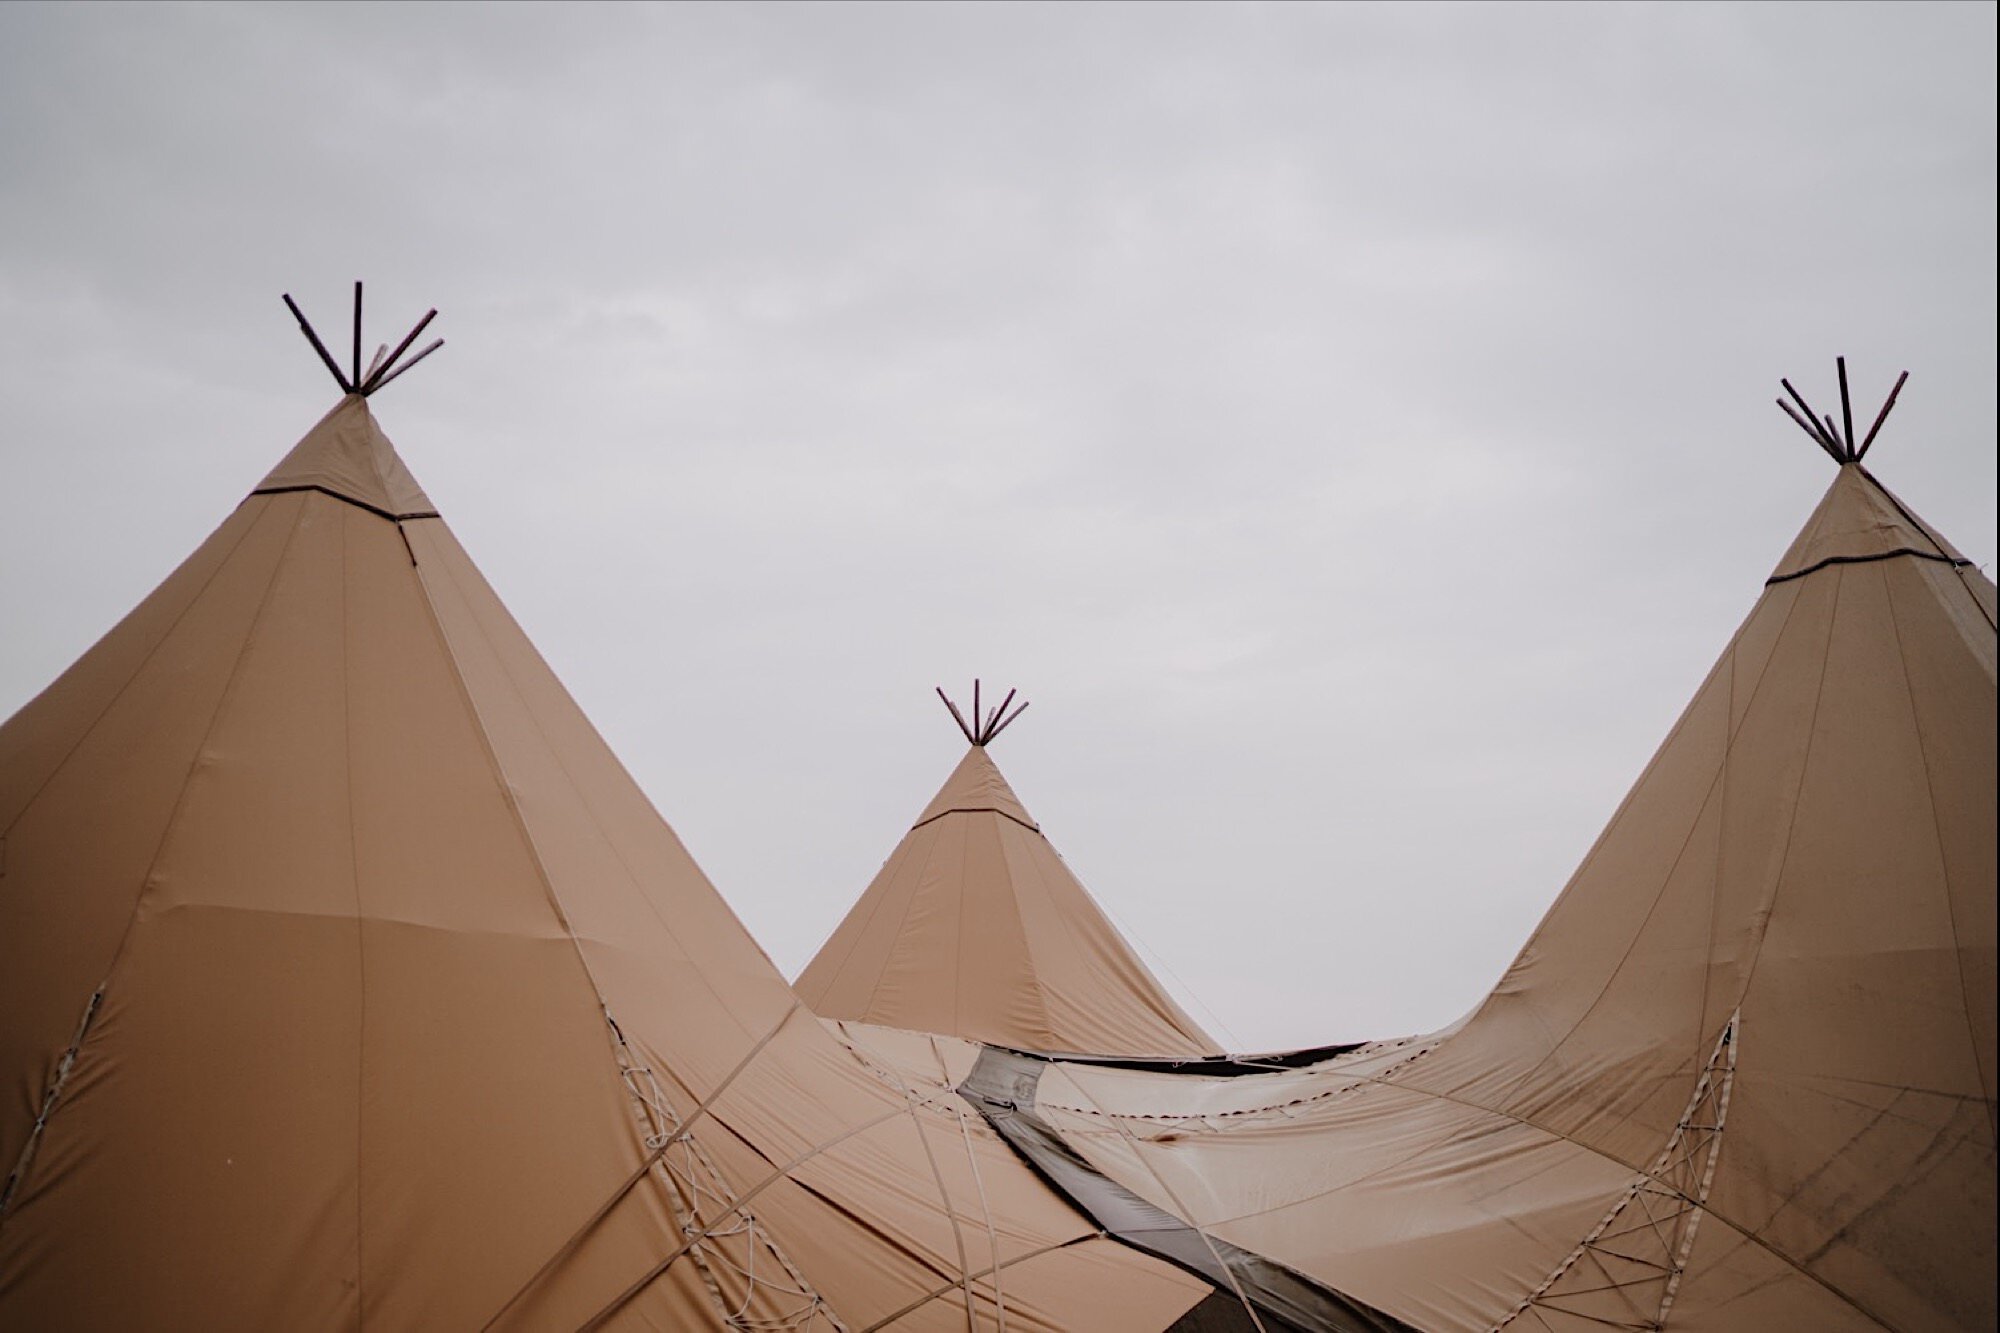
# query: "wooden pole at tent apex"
[[983, 727], [385, 367], [1837, 438]]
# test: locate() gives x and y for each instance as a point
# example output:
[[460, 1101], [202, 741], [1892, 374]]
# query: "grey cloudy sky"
[[1350, 426]]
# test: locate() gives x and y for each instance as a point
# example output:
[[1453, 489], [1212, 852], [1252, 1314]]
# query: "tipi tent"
[[1741, 1076], [975, 928], [347, 980]]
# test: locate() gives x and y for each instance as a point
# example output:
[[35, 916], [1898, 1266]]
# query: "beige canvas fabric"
[[347, 979], [1742, 1075], [347, 455], [975, 928]]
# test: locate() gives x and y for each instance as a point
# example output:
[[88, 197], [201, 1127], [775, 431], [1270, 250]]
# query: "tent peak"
[[1838, 440], [982, 730], [380, 370]]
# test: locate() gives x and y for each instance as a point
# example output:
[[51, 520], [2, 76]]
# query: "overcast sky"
[[1351, 427]]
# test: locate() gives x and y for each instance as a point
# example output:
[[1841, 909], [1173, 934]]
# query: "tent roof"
[[1858, 519], [347, 978], [347, 456], [976, 928], [1743, 1073]]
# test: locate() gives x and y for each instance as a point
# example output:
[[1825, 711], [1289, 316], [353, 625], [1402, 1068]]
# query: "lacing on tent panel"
[[692, 1179], [1788, 1260], [49, 1100], [671, 1137], [1205, 1119], [783, 1172], [1637, 1254], [690, 1183]]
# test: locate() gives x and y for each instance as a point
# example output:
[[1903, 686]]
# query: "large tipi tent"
[[346, 979], [976, 928], [1741, 1076]]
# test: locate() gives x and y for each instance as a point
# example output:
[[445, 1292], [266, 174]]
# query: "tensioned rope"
[[441, 571], [1717, 1076], [944, 1195], [692, 1178], [639, 1173], [883, 1069], [783, 1172]]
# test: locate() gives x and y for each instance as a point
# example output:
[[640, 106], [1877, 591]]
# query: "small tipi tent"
[[975, 928]]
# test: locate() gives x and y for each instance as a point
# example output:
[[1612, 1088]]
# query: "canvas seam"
[[208, 731], [514, 814], [777, 1173], [886, 877], [1937, 834], [137, 671], [180, 796], [1729, 746], [902, 921], [360, 934], [1792, 824], [1028, 944]]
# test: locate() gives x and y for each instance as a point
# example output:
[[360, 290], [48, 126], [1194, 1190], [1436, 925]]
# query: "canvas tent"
[[976, 928], [346, 979], [1741, 1076]]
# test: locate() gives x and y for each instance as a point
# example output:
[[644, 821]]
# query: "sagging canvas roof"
[[1741, 1076], [976, 928], [347, 979]]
